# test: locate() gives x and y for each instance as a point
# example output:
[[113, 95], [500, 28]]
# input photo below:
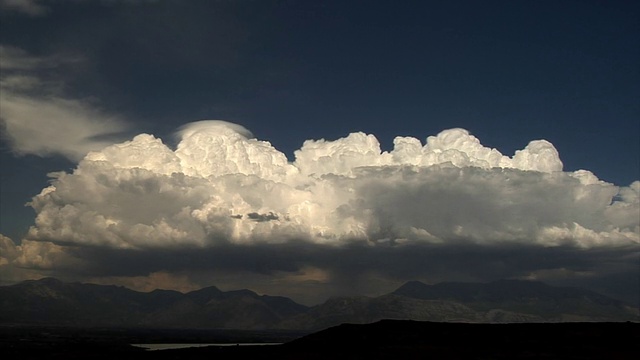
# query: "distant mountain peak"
[[515, 295], [52, 302], [414, 285], [49, 301]]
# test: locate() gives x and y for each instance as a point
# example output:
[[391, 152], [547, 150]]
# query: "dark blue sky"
[[507, 71]]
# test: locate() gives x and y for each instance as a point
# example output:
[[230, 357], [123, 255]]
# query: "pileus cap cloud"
[[222, 186]]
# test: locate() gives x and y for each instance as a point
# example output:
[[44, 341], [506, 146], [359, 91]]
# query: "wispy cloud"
[[37, 8], [38, 118], [28, 7]]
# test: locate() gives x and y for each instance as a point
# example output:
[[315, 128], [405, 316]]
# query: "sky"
[[314, 149]]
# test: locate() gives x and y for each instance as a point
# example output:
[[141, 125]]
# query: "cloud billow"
[[344, 217], [221, 186]]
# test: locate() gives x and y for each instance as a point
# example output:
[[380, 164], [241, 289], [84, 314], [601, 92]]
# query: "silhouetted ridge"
[[498, 291], [52, 302], [204, 295], [517, 300]]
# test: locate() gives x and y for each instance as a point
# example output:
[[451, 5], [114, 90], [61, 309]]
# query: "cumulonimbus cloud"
[[226, 208], [221, 186], [38, 118]]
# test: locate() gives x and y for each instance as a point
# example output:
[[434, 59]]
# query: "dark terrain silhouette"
[[49, 301], [387, 339], [51, 319]]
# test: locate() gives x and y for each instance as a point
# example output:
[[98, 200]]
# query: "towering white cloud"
[[215, 148], [221, 186]]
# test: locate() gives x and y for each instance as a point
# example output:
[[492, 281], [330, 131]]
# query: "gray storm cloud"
[[221, 187]]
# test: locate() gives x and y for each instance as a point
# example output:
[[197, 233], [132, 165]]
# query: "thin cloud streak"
[[32, 8], [37, 118]]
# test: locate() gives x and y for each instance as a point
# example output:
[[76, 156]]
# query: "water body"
[[153, 347]]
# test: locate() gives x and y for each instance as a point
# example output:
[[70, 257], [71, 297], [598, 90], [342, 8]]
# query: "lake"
[[153, 347]]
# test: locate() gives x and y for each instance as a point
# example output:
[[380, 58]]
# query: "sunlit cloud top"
[[222, 186]]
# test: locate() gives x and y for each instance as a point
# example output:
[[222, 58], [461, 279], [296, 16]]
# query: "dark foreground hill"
[[48, 302], [388, 339]]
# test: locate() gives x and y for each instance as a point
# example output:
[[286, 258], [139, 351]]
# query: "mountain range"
[[50, 301]]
